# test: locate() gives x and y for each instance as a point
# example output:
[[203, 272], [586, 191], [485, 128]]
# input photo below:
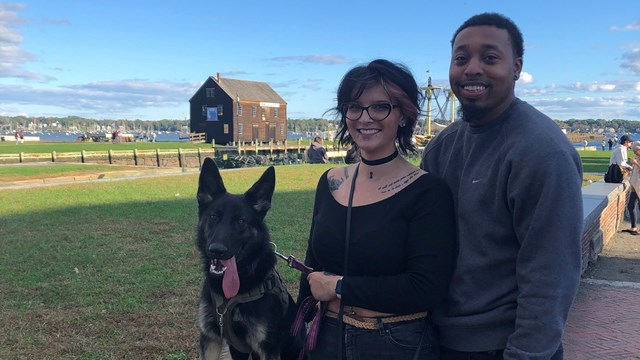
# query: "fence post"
[[110, 156], [53, 156], [299, 144], [180, 159], [158, 156], [82, 155], [199, 159], [135, 157]]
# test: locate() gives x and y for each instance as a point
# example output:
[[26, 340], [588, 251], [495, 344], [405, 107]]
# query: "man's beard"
[[472, 113]]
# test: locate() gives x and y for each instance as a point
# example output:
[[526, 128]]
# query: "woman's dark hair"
[[399, 84], [501, 22]]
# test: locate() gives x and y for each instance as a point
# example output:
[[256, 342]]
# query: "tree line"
[[293, 125]]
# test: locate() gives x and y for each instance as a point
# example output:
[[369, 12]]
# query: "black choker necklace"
[[384, 160]]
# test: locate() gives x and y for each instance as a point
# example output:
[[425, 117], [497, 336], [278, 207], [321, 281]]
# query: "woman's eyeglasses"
[[377, 112]]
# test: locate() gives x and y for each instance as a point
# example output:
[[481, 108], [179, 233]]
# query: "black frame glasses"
[[379, 111]]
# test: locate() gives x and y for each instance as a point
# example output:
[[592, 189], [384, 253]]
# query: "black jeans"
[[391, 341], [450, 354]]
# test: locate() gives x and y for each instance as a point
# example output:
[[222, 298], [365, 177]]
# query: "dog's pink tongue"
[[230, 280]]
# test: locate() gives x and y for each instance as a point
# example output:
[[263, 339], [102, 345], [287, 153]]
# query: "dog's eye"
[[242, 221], [213, 217]]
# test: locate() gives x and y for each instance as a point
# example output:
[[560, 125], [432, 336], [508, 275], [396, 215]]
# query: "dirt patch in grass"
[[52, 174], [81, 333]]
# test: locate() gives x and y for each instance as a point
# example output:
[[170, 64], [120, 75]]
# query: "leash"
[[307, 306], [292, 262]]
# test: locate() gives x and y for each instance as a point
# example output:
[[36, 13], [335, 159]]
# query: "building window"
[[281, 129], [264, 113], [240, 128], [275, 112], [220, 110], [254, 111], [210, 92], [204, 110], [226, 128], [239, 109]]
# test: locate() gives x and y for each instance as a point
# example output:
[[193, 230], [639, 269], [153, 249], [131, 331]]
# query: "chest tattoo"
[[334, 183], [396, 184]]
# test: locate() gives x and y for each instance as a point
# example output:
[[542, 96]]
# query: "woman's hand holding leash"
[[323, 285]]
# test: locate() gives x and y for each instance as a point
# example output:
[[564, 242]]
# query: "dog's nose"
[[217, 251]]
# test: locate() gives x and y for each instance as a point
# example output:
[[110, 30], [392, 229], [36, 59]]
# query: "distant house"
[[230, 110]]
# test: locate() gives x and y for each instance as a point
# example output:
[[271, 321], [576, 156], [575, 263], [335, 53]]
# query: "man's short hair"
[[501, 22]]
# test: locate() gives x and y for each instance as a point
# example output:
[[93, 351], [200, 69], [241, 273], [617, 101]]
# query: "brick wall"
[[603, 206]]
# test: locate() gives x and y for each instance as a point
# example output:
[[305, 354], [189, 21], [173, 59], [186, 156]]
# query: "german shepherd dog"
[[243, 299]]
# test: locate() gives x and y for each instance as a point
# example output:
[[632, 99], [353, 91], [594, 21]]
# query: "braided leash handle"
[[308, 310]]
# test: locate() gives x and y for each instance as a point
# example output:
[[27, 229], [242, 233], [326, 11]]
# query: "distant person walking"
[[584, 144], [610, 143], [317, 154], [603, 144], [17, 138]]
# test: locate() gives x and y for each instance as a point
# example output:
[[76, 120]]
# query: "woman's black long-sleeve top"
[[401, 252]]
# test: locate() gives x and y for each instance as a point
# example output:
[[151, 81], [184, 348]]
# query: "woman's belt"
[[371, 323]]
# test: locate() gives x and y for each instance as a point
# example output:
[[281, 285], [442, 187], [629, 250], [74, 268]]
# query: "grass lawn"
[[108, 270], [596, 161]]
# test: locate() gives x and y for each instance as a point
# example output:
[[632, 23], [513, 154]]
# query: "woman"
[[634, 180], [399, 250]]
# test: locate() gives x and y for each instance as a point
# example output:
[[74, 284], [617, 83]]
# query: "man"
[[619, 155], [317, 154], [516, 182]]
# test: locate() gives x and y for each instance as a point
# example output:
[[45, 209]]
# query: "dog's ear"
[[210, 183], [259, 196]]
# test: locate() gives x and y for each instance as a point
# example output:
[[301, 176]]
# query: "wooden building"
[[229, 110]]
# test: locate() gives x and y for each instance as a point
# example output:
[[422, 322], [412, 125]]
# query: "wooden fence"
[[185, 158]]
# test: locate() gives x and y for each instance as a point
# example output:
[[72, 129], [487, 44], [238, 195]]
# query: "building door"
[[272, 132], [255, 132]]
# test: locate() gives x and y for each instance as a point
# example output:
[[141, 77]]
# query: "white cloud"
[[634, 25], [631, 60], [525, 78], [13, 57], [104, 98], [592, 87]]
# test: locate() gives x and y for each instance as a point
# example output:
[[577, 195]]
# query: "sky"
[[117, 59]]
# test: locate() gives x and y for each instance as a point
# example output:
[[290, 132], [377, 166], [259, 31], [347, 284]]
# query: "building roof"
[[247, 90]]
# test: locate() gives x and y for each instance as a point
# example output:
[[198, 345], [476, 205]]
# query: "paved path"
[[604, 323]]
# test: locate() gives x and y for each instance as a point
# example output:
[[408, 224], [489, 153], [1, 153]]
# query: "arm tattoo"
[[334, 183], [398, 183]]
